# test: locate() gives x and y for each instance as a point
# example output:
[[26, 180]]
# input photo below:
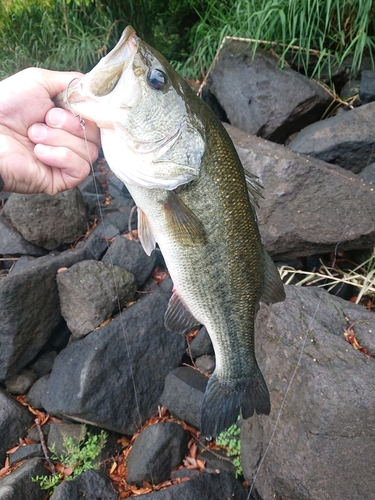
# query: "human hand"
[[42, 148]]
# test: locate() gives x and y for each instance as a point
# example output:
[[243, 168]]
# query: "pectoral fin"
[[145, 234], [273, 288], [178, 318], [182, 223]]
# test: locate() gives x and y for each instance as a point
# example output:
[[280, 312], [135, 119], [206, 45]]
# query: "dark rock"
[[368, 173], [201, 344], [91, 485], [59, 337], [183, 394], [210, 99], [24, 452], [116, 187], [58, 433], [15, 485], [350, 88], [96, 243], [346, 139], [218, 461], [206, 363], [35, 394], [155, 452], [89, 185], [205, 486], [43, 364], [30, 309], [93, 379], [90, 292], [21, 382], [181, 473], [33, 433], [260, 98], [23, 263], [14, 421], [120, 219], [367, 86], [322, 447], [13, 243], [48, 221], [130, 255], [309, 205]]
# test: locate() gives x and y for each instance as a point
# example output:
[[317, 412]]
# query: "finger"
[[74, 168], [40, 133], [59, 118]]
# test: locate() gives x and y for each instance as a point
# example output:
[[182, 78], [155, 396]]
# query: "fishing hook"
[[66, 100]]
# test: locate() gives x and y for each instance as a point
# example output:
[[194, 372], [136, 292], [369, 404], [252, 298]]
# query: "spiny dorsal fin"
[[273, 288], [253, 188], [145, 234], [182, 223], [178, 318]]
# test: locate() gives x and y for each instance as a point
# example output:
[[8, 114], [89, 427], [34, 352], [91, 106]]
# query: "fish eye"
[[156, 79]]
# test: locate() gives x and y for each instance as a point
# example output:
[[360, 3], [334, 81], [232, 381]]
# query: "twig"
[[44, 447], [225, 459]]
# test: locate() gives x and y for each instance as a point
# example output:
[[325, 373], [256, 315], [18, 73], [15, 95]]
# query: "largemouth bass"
[[187, 181]]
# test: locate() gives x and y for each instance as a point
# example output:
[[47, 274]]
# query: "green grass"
[[325, 31]]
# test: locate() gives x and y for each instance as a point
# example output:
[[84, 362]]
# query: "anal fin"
[[178, 318]]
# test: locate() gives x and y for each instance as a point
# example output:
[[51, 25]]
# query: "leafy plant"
[[230, 440], [79, 456]]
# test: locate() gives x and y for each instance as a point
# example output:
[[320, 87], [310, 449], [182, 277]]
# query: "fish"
[[195, 202]]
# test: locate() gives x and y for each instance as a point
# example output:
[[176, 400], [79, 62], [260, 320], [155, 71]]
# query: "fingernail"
[[56, 117], [38, 130], [42, 149]]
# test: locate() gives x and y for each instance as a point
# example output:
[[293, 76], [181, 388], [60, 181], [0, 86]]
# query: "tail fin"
[[222, 402]]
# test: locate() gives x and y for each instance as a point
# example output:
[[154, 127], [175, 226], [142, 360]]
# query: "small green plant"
[[230, 440], [79, 456]]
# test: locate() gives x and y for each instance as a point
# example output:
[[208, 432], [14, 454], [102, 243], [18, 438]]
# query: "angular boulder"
[[262, 99], [90, 292], [322, 446], [309, 206], [30, 309], [346, 139], [48, 221], [93, 379]]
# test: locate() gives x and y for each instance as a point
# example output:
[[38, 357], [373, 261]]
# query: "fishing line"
[[351, 210], [83, 126]]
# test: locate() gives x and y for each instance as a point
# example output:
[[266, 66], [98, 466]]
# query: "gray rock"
[[203, 486], [156, 451], [90, 484], [183, 394], [44, 363], [120, 219], [218, 461], [14, 421], [93, 379], [260, 98], [23, 263], [206, 363], [367, 86], [130, 255], [201, 344], [48, 221], [24, 452], [30, 309], [13, 243], [90, 292], [368, 173], [346, 139], [309, 205], [21, 382], [58, 433], [15, 485], [35, 394], [322, 446]]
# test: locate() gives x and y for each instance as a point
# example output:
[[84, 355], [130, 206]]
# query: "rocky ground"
[[69, 264]]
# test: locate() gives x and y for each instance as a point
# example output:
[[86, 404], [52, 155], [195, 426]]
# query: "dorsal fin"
[[253, 188]]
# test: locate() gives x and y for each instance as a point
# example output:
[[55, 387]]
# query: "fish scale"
[[187, 181]]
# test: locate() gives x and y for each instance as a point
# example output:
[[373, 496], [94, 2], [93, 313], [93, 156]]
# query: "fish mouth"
[[81, 94]]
